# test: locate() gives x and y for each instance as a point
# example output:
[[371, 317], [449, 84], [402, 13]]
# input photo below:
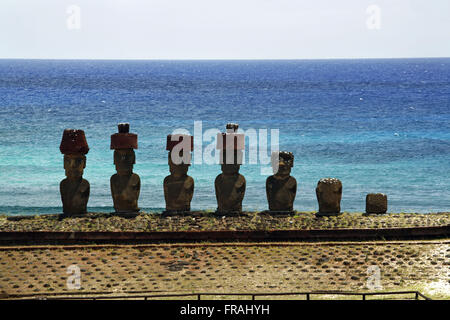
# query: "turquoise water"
[[378, 125]]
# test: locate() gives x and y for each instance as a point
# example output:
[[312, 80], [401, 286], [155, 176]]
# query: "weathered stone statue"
[[376, 203], [74, 189], [281, 188], [178, 186], [329, 193], [125, 185], [230, 185]]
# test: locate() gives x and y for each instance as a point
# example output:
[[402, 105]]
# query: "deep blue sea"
[[377, 125]]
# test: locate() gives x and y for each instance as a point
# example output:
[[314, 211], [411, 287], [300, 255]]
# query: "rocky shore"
[[200, 220]]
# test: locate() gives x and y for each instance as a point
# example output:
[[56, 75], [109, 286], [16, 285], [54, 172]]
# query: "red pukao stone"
[[123, 139], [73, 142], [174, 139]]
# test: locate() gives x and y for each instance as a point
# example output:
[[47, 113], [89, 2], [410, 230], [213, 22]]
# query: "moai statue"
[[230, 185], [178, 186], [125, 185], [376, 203], [329, 193], [281, 187], [74, 189]]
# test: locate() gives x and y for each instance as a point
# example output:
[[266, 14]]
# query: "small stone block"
[[376, 203]]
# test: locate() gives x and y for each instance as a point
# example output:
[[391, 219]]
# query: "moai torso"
[[178, 192], [281, 193], [125, 185], [329, 193], [230, 190], [74, 196], [125, 192]]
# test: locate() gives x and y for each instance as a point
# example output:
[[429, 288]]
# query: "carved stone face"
[[231, 165], [282, 163], [74, 165], [124, 159], [178, 170], [284, 169]]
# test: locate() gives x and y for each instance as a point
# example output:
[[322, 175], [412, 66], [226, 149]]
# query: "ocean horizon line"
[[225, 59]]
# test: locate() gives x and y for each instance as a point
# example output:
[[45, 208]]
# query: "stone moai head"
[[282, 163], [74, 165], [231, 167], [180, 147], [376, 203], [123, 143], [124, 159], [74, 147], [231, 145], [329, 193], [177, 170]]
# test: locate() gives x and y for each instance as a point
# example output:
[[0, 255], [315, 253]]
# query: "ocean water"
[[377, 125]]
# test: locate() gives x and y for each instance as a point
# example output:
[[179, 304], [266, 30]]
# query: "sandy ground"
[[274, 267]]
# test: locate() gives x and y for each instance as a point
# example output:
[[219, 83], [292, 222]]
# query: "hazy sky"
[[224, 29]]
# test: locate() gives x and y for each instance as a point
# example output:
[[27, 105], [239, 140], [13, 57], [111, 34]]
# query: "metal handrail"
[[253, 295]]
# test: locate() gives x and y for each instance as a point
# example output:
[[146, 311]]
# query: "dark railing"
[[417, 295]]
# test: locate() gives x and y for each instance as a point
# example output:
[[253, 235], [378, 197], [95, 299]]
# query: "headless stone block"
[[329, 194], [376, 203], [74, 189], [281, 187], [125, 185]]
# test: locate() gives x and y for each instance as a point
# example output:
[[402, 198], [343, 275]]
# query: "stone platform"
[[227, 267]]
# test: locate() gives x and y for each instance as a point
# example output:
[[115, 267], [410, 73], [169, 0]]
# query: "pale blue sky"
[[223, 29]]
